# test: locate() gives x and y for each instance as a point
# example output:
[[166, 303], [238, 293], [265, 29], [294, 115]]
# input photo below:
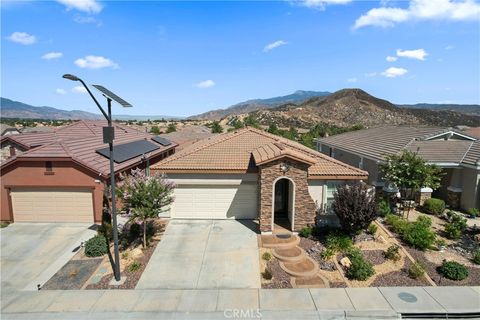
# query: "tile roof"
[[472, 157], [234, 151], [381, 141]]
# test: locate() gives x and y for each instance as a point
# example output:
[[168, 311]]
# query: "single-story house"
[[6, 130], [252, 174], [457, 153], [61, 176]]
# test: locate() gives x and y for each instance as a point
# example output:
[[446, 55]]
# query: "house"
[[252, 174], [61, 176], [6, 130], [457, 153]]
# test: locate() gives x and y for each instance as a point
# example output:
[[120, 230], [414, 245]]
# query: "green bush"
[[419, 235], [266, 256], [134, 266], [372, 229], [360, 269], [267, 275], [416, 270], [327, 254], [134, 232], [398, 224], [393, 253], [473, 212], [96, 246], [306, 232], [384, 208], [338, 242], [476, 256], [434, 206], [453, 270], [455, 227]]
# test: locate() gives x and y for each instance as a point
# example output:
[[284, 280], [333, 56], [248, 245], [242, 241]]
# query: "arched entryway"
[[283, 216]]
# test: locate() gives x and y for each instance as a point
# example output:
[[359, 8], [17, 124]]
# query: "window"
[[48, 166], [331, 187]]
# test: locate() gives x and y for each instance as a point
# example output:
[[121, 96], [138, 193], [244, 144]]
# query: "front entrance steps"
[[304, 271]]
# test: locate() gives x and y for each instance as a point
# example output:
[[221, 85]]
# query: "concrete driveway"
[[204, 254], [33, 252]]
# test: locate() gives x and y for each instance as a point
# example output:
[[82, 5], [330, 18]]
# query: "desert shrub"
[[96, 246], [372, 229], [418, 234], [360, 269], [416, 270], [473, 212], [476, 256], [267, 274], [398, 224], [455, 227], [393, 253], [306, 232], [266, 256], [336, 241], [327, 254], [384, 208], [434, 206], [124, 255], [355, 206], [440, 243], [453, 270], [134, 266]]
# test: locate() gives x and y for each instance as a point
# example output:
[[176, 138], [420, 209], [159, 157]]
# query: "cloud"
[[88, 6], [418, 54], [22, 38], [87, 19], [352, 80], [394, 72], [95, 62], [449, 47], [391, 59], [319, 4], [52, 55], [79, 89], [60, 91], [370, 74], [419, 10], [205, 84], [274, 45]]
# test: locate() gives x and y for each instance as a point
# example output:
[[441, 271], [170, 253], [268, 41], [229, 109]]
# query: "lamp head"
[[71, 77]]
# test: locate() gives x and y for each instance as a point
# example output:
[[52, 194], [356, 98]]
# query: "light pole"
[[108, 137]]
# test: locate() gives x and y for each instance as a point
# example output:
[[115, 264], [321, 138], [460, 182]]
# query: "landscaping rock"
[[345, 262], [327, 265], [364, 237]]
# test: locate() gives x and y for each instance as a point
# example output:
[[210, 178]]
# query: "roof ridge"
[[468, 150]]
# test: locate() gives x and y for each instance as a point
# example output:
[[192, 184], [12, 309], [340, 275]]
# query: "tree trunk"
[[144, 233]]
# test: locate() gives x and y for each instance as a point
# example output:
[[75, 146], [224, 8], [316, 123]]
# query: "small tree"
[[145, 197], [355, 206], [172, 127], [251, 121], [155, 130], [237, 124], [216, 127], [409, 172]]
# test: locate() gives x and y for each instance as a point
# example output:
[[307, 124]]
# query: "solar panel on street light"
[[112, 96]]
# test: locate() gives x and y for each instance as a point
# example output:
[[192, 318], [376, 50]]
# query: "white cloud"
[[95, 62], [205, 84], [52, 55], [418, 54], [274, 45], [79, 89], [319, 4], [393, 72], [391, 59], [421, 10], [60, 91], [22, 38], [89, 6], [370, 74], [449, 47], [352, 80], [87, 19]]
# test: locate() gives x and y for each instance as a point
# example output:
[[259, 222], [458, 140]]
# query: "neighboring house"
[[6, 130], [188, 135], [61, 176], [457, 153], [251, 174]]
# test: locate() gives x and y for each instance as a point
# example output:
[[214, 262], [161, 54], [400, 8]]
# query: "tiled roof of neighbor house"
[[474, 132], [83, 148], [473, 154], [188, 135], [379, 142], [234, 151]]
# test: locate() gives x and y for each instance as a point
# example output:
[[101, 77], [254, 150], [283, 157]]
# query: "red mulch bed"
[[473, 278], [132, 277], [399, 278], [376, 257], [280, 280]]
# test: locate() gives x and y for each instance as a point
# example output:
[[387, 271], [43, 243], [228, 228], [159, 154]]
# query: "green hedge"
[[434, 206]]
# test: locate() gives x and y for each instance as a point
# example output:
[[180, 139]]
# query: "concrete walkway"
[[204, 254], [375, 303]]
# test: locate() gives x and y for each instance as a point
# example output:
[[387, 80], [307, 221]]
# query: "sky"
[[183, 58]]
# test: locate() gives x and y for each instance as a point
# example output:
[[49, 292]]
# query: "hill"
[[472, 109], [258, 104], [349, 107]]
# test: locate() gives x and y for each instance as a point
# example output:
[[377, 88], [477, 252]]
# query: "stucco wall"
[[315, 189], [470, 188], [32, 174]]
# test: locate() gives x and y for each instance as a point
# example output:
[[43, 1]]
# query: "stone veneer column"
[[422, 195], [305, 209], [454, 196]]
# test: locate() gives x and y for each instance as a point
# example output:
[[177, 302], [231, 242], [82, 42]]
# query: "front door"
[[281, 198]]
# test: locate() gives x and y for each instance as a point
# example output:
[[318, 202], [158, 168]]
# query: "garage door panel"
[[52, 205], [215, 202]]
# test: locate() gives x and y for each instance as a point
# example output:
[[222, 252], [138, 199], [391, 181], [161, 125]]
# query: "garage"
[[52, 205], [215, 201]]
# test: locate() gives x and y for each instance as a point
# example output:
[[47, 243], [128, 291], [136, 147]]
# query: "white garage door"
[[215, 202], [52, 205]]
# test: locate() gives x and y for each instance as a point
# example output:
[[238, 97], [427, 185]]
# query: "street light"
[[108, 137]]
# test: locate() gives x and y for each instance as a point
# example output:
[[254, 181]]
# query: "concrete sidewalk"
[[375, 303]]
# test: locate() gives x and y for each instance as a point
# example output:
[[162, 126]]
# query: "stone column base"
[[422, 195], [453, 197]]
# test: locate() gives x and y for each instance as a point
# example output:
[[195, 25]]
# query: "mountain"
[[16, 109], [258, 104], [473, 109], [354, 106]]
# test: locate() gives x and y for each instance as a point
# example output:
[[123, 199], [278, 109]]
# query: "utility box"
[[108, 134]]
